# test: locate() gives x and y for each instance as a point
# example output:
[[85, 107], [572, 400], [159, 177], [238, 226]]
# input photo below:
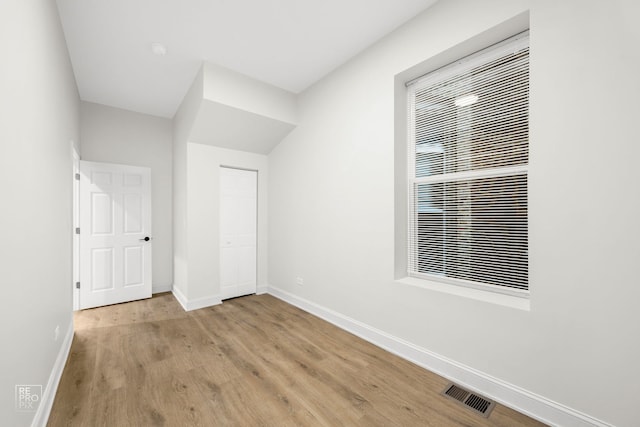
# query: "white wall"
[[240, 113], [182, 124], [332, 204], [204, 215], [196, 178], [236, 90], [113, 135], [38, 118]]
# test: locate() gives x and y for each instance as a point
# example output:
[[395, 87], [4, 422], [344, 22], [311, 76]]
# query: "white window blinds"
[[468, 161]]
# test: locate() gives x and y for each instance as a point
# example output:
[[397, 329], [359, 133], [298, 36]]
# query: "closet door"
[[238, 231]]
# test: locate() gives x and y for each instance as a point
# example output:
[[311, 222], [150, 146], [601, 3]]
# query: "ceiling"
[[290, 44]]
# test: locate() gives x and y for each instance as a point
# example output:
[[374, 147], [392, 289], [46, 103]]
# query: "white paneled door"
[[115, 233], [238, 226]]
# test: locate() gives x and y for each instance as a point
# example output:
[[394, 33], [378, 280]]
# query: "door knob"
[[146, 239]]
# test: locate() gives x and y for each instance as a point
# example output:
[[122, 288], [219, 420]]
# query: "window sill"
[[516, 302]]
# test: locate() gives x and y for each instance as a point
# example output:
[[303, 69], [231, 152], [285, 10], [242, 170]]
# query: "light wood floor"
[[252, 361]]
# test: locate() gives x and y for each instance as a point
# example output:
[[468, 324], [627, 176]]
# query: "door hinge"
[[77, 285], [77, 230], [78, 176]]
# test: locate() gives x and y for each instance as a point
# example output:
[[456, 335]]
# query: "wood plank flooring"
[[252, 361]]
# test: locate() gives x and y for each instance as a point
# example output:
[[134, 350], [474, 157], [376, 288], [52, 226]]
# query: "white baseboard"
[[195, 304], [526, 402], [180, 297], [49, 393], [262, 289], [158, 289]]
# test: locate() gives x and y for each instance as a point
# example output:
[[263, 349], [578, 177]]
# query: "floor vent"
[[476, 403]]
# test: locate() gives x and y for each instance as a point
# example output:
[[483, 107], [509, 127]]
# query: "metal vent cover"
[[472, 401]]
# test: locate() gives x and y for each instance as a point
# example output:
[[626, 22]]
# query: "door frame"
[[76, 223]]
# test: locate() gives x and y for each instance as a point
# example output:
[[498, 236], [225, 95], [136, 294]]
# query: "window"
[[468, 162]]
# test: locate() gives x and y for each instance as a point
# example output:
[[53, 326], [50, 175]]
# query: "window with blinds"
[[468, 161]]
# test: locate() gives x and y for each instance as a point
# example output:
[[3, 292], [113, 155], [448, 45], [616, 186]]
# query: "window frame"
[[480, 57]]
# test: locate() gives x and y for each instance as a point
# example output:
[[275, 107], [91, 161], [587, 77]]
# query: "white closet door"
[[238, 227]]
